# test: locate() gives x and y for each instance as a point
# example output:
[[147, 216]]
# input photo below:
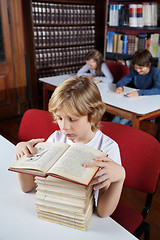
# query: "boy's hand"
[[133, 94], [119, 90], [108, 173], [26, 148]]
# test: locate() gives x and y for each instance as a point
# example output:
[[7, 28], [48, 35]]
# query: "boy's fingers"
[[34, 141], [94, 164]]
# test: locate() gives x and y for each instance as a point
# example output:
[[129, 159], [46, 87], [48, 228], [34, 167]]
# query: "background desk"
[[135, 109], [18, 218]]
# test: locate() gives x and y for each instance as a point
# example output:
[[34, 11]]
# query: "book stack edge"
[[64, 202]]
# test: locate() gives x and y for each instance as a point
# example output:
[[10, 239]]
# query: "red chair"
[[140, 154], [157, 119], [36, 124], [117, 69]]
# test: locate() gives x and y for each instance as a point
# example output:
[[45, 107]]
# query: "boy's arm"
[[155, 90], [108, 198], [109, 181], [107, 78], [26, 182], [125, 80], [83, 71]]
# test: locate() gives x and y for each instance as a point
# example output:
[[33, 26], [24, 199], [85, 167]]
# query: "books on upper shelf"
[[129, 43], [64, 202], [58, 13], [133, 15], [60, 160]]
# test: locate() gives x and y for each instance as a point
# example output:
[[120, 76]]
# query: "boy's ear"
[[149, 65]]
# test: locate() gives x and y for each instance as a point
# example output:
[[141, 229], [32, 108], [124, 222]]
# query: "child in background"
[[96, 68], [77, 107], [142, 76]]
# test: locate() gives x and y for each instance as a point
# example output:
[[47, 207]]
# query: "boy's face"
[[142, 70], [77, 129], [91, 64]]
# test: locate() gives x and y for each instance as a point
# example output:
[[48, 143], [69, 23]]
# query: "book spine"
[[125, 44], [110, 41], [140, 22], [133, 15], [126, 15], [154, 14], [115, 43], [147, 12], [121, 15], [111, 15], [131, 44], [141, 40], [117, 7]]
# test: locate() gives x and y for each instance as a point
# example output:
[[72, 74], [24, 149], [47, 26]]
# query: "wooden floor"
[[9, 129]]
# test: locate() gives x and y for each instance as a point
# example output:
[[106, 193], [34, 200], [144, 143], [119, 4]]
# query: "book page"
[[46, 154], [62, 199], [49, 181], [70, 165]]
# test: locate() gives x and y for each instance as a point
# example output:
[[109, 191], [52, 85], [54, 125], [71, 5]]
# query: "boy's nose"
[[65, 125]]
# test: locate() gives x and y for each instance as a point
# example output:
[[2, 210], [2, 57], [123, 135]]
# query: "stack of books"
[[64, 194], [64, 202]]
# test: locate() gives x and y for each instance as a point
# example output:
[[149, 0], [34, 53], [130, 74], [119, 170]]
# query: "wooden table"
[[18, 218], [135, 109]]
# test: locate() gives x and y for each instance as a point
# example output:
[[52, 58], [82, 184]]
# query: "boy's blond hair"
[[79, 96]]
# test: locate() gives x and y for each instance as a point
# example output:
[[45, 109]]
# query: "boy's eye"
[[73, 119], [58, 118]]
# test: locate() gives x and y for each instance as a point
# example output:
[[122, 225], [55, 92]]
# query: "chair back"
[[140, 155], [140, 152], [117, 69], [36, 124]]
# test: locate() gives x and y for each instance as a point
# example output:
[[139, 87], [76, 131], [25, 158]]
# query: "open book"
[[60, 160]]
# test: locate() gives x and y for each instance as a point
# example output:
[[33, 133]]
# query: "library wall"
[[58, 35], [63, 35]]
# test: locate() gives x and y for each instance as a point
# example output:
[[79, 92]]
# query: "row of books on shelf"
[[55, 13], [128, 44], [61, 56], [134, 15], [51, 36]]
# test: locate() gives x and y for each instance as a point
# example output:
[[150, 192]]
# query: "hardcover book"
[[60, 160]]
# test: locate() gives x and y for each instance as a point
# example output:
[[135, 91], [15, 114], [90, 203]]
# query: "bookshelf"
[[63, 34], [58, 35], [136, 32]]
